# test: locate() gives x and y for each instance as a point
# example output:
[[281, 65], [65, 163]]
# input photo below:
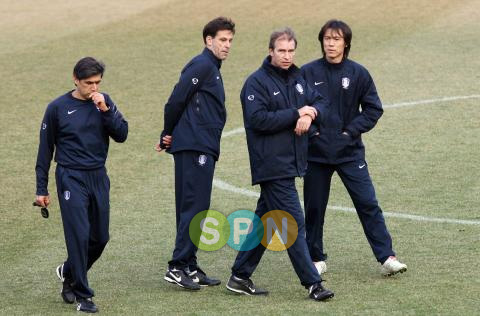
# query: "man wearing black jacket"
[[337, 146], [77, 127], [278, 109], [194, 118]]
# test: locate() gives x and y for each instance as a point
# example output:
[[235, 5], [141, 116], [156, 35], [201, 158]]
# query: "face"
[[333, 45], [85, 87], [283, 53], [220, 44]]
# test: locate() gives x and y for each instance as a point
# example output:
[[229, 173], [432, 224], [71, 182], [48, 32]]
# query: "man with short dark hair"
[[194, 118], [278, 109], [337, 146], [77, 127]]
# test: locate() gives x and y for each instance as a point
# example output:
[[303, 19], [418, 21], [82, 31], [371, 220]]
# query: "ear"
[[270, 52], [209, 40], [75, 81]]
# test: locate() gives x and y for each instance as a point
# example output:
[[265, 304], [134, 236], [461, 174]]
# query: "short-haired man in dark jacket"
[[77, 127], [194, 118], [337, 146], [278, 109]]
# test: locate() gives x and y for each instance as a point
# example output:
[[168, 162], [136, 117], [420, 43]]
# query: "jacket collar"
[[209, 54], [286, 75]]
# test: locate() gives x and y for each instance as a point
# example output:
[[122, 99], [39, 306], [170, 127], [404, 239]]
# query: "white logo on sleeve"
[[66, 195], [361, 166], [345, 82], [44, 126], [299, 88], [318, 83], [276, 92], [70, 112], [251, 97], [194, 80]]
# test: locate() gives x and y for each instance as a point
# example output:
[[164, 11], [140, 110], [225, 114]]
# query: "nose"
[[94, 87]]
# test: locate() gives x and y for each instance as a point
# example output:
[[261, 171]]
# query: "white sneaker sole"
[[390, 273]]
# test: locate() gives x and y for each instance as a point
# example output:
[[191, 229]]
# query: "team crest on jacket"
[[251, 97], [44, 126], [202, 160], [299, 88], [66, 195], [345, 82], [194, 80]]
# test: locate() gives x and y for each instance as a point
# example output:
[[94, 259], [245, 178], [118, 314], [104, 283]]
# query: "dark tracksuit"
[[348, 86], [79, 134], [194, 116], [270, 100]]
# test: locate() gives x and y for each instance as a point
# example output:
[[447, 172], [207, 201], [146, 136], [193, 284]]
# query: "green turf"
[[423, 159]]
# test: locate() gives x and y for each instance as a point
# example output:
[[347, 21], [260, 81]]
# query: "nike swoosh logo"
[[317, 83], [361, 166], [178, 279], [275, 93], [70, 112]]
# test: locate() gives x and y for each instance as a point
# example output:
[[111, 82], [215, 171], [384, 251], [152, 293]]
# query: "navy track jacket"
[[195, 113], [349, 86], [270, 100], [79, 134]]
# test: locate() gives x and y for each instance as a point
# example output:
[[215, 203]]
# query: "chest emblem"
[[345, 82], [299, 88], [251, 97], [194, 80]]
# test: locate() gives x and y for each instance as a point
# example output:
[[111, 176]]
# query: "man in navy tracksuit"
[[77, 127], [194, 118], [278, 109], [337, 146]]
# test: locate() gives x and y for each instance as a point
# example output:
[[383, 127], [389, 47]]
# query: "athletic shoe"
[[180, 278], [67, 291], [86, 305], [199, 277], [318, 293], [392, 266], [242, 286], [321, 266]]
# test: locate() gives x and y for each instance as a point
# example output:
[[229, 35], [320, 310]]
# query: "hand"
[[308, 110], [166, 143], [303, 124], [99, 101], [42, 200]]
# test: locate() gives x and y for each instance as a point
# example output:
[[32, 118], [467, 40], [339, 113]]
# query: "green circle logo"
[[209, 230]]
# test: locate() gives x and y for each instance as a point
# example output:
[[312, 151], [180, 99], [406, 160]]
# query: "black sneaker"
[[318, 293], [86, 305], [199, 277], [242, 286], [180, 278], [67, 291]]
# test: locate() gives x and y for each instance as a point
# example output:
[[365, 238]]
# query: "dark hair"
[[341, 28], [87, 67], [218, 24], [285, 32]]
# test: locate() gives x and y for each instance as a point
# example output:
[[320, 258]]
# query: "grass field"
[[423, 157]]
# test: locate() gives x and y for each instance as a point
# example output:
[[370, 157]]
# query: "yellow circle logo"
[[280, 230]]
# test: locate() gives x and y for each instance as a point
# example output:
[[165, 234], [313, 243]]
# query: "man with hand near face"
[[77, 126], [278, 109], [337, 146], [194, 118]]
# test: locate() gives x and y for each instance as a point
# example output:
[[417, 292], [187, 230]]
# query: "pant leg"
[[282, 195], [247, 261], [316, 191], [74, 204], [99, 214], [357, 180], [193, 188]]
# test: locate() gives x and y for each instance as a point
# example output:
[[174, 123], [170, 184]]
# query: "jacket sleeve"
[[114, 122], [257, 116], [191, 78], [46, 148], [371, 110]]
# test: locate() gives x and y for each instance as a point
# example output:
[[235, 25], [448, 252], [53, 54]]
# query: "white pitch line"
[[231, 188], [240, 130]]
